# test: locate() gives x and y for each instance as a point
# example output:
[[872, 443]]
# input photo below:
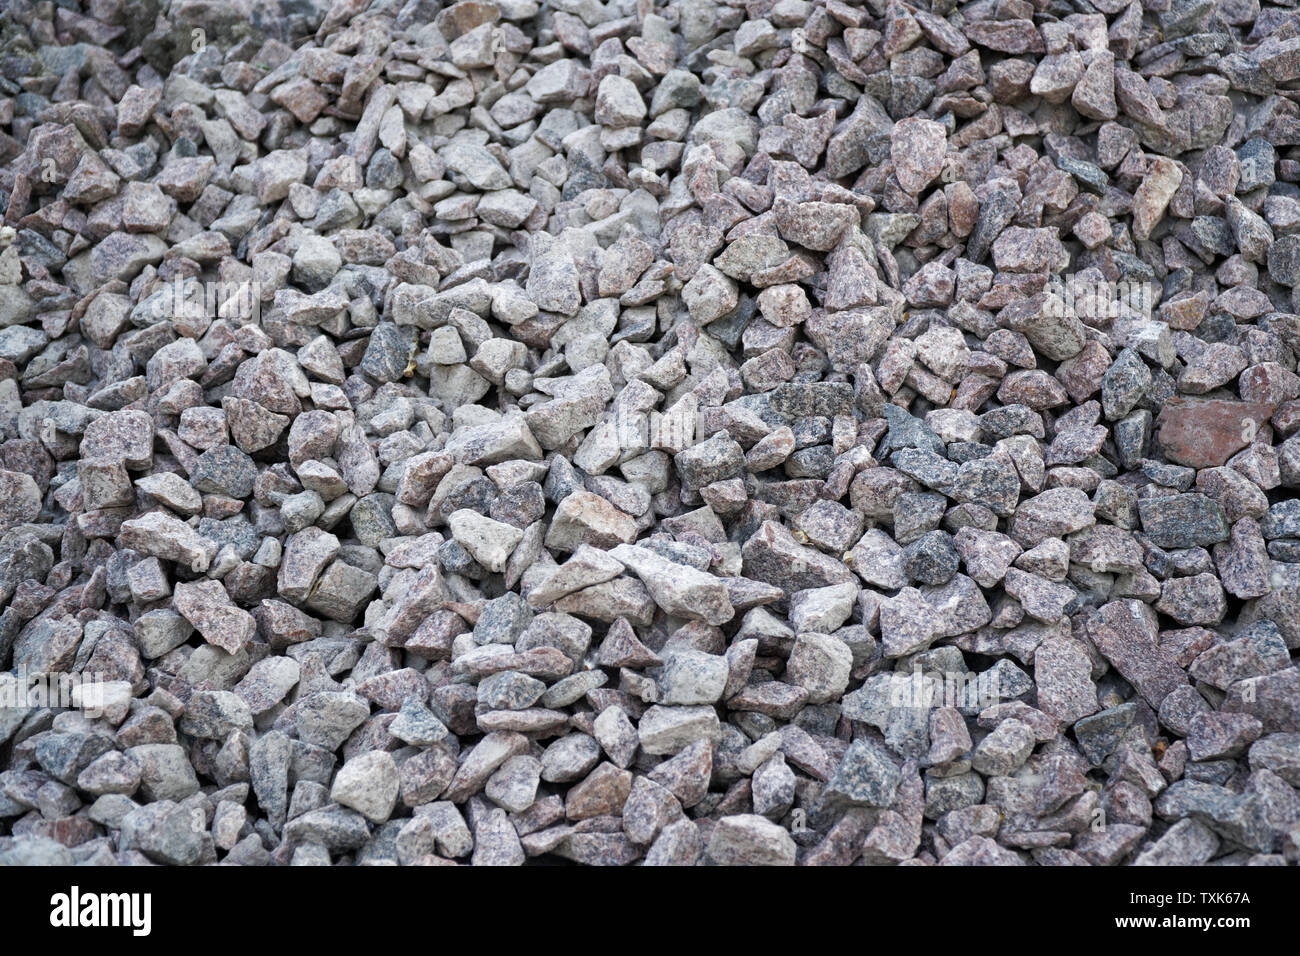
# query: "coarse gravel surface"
[[785, 432]]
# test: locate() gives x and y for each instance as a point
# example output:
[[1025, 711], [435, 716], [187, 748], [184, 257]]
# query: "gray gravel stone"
[[507, 431]]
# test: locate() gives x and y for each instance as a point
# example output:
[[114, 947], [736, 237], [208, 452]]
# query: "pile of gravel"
[[621, 432]]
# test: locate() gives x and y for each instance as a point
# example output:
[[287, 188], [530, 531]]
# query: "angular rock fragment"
[[650, 434]]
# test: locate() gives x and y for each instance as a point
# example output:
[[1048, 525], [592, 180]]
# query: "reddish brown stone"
[[1286, 419], [1082, 374], [1205, 433], [1269, 383], [1185, 313]]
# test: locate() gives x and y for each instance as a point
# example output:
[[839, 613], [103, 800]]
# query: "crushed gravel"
[[779, 432]]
